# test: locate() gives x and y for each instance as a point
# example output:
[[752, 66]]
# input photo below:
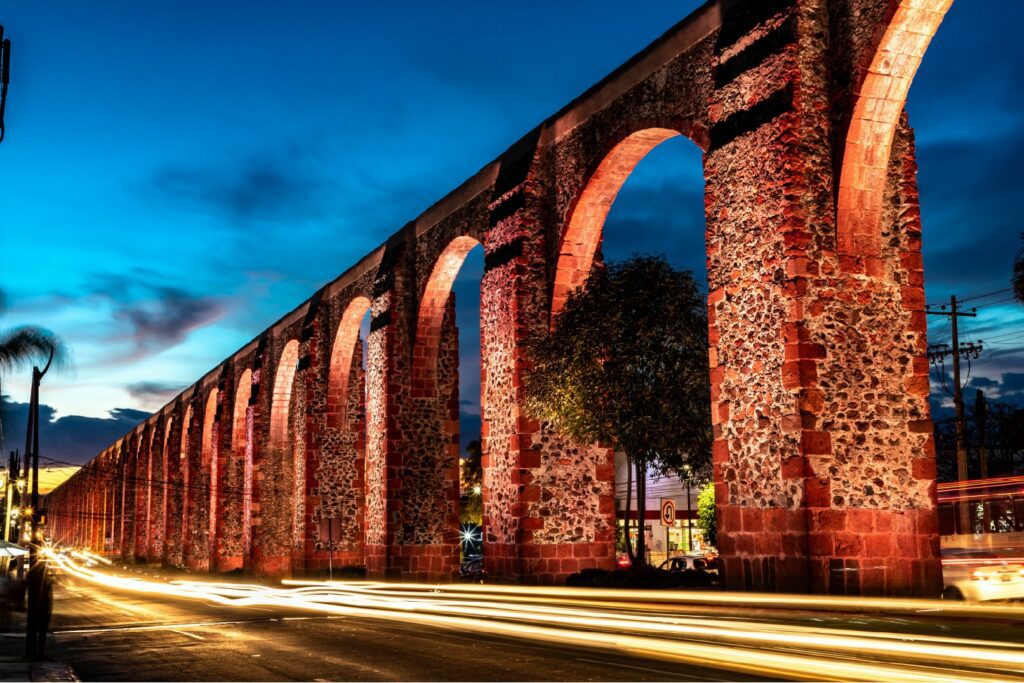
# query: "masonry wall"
[[823, 455]]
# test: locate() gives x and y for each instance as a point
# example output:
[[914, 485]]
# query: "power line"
[[994, 303], [976, 297]]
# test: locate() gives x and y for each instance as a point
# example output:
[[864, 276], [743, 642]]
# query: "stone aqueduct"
[[823, 452]]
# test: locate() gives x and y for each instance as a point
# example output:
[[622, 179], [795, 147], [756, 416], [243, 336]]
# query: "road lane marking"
[[186, 633]]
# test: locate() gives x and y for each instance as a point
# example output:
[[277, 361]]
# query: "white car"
[[982, 575]]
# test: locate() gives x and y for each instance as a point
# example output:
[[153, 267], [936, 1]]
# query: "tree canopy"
[[25, 345], [626, 365], [707, 516]]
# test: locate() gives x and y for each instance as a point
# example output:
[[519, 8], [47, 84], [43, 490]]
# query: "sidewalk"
[[14, 666]]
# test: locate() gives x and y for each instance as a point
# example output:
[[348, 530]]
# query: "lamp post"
[[689, 510]]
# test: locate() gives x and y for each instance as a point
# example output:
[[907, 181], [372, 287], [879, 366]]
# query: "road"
[[145, 628], [112, 636]]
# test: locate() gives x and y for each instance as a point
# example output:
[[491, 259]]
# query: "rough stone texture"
[[158, 490], [227, 544], [823, 453], [174, 475], [144, 494]]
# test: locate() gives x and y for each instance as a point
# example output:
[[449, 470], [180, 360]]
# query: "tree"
[[26, 344], [707, 516], [1017, 280], [626, 366]]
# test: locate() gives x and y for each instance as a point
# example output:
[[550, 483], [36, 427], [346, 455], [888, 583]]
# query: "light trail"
[[640, 628]]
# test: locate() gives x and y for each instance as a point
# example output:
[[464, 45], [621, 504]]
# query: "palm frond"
[[30, 344], [1018, 276]]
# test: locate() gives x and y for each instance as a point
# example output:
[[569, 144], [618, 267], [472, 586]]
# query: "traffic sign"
[[668, 511]]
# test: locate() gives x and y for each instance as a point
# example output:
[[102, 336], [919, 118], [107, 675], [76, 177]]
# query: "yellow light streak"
[[761, 648]]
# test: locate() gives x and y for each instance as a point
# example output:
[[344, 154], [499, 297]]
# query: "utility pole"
[[958, 350]]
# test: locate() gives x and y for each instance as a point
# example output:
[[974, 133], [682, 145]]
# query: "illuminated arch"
[[341, 360], [239, 433], [240, 446], [876, 112], [283, 395], [431, 314], [583, 233], [186, 476], [165, 484], [186, 427], [147, 530], [209, 446], [209, 455]]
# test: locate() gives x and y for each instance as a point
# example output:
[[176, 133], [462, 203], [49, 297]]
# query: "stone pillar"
[[549, 505], [824, 465], [174, 475], [128, 512], [226, 545], [384, 380], [424, 483], [335, 467], [143, 490], [274, 455], [157, 491]]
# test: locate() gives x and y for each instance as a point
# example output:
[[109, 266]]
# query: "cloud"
[[1007, 388], [155, 394], [167, 318], [71, 439], [270, 185], [150, 315]]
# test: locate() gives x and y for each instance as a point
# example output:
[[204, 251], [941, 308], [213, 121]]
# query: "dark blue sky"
[[176, 176]]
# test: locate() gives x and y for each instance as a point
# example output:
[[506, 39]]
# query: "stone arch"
[[161, 493], [582, 234], [147, 529], [876, 113], [186, 427], [208, 457], [186, 493], [282, 396], [278, 474], [433, 305], [239, 433], [342, 353], [209, 445], [241, 446]]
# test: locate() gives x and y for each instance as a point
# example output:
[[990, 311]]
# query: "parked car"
[[681, 563], [472, 569]]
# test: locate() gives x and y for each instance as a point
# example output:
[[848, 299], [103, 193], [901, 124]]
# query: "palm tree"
[[1018, 275], [26, 344]]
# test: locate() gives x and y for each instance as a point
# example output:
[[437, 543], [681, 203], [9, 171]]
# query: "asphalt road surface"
[[108, 635], [107, 630]]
